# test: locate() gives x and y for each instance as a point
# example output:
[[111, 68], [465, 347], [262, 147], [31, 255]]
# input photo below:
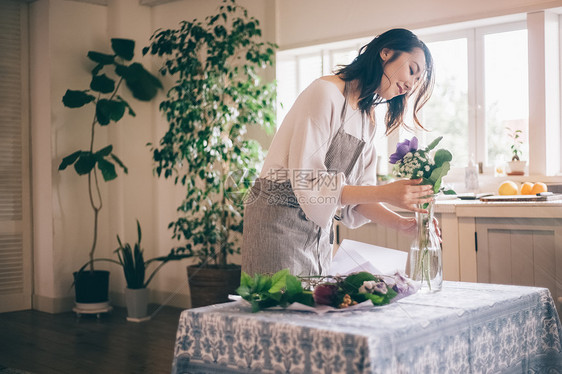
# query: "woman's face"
[[402, 74]]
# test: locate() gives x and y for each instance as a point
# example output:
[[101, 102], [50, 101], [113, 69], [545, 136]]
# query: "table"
[[465, 328]]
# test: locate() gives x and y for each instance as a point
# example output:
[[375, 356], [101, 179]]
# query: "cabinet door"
[[520, 251]]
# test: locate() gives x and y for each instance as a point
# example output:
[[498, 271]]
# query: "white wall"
[[62, 33], [302, 23]]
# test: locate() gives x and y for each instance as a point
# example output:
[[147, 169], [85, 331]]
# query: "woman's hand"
[[409, 226], [407, 194], [406, 225]]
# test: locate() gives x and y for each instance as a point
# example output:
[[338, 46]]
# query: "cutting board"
[[521, 198]]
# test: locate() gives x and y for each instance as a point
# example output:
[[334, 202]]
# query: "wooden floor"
[[44, 343]]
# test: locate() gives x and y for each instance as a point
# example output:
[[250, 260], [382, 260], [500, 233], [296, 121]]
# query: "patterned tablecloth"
[[466, 328]]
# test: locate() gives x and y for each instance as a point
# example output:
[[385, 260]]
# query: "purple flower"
[[325, 294], [403, 148]]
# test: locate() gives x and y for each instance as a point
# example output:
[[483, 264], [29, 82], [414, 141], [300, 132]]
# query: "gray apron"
[[277, 234]]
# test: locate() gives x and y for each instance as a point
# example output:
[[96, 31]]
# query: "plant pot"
[[91, 287], [212, 285], [137, 302], [517, 167]]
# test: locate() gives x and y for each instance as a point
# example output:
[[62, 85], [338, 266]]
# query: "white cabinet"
[[521, 251]]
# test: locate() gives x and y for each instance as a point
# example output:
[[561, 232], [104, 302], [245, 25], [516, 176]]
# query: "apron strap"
[[344, 112]]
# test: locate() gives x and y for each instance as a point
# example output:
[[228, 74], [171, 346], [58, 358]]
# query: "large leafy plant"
[[109, 107], [216, 95]]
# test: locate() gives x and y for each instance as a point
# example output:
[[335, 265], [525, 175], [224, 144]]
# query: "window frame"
[[477, 141]]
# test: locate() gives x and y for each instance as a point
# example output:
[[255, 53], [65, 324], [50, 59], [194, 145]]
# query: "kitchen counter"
[[477, 208]]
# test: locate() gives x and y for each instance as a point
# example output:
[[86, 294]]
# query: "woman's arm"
[[406, 194], [380, 214]]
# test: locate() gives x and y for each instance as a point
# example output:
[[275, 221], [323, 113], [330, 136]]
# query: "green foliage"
[[516, 144], [134, 265], [217, 94], [109, 108], [264, 291], [282, 288]]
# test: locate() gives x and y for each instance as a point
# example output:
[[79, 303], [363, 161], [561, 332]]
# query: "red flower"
[[325, 294]]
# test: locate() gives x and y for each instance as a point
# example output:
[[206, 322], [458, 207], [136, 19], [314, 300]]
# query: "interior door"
[[15, 211]]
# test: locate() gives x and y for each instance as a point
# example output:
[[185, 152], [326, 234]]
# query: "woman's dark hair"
[[368, 69]]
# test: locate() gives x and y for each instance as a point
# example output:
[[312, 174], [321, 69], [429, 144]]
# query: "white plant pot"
[[517, 167], [137, 303]]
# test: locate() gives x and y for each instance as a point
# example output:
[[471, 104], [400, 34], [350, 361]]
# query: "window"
[[481, 91], [506, 94], [446, 113]]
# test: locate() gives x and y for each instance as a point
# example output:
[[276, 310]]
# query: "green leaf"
[[76, 99], [375, 298], [120, 70], [449, 192], [97, 69], [104, 151], [294, 286], [441, 156], [243, 291], [100, 58], [124, 48], [143, 85], [107, 169], [102, 83], [437, 174], [109, 110], [85, 163], [279, 280], [120, 163], [69, 160], [263, 284], [305, 298], [433, 144], [246, 280]]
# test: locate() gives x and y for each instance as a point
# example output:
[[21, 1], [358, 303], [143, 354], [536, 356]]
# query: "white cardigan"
[[299, 148]]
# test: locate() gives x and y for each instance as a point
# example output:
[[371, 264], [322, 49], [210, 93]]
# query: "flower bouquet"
[[322, 293], [425, 252]]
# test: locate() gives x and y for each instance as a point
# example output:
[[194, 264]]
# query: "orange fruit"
[[526, 188], [538, 188], [508, 188]]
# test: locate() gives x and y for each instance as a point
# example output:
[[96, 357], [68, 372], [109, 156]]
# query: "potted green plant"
[[108, 74], [131, 259], [516, 165], [217, 94]]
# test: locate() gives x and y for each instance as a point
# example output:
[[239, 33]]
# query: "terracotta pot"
[[212, 285]]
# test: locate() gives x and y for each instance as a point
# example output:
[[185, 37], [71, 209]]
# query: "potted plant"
[[131, 259], [217, 94], [109, 107], [516, 165]]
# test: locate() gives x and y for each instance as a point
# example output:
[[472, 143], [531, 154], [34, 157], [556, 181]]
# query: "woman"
[[322, 162]]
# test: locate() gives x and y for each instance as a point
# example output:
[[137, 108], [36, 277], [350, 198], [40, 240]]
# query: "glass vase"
[[425, 264]]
